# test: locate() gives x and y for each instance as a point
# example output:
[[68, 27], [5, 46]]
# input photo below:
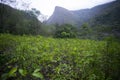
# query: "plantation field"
[[40, 58]]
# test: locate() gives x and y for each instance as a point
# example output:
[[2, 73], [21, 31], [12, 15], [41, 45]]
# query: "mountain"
[[106, 14], [109, 12], [17, 21], [62, 16]]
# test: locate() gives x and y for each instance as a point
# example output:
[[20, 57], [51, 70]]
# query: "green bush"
[[66, 31]]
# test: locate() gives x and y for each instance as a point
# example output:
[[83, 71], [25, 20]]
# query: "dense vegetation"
[[32, 50], [36, 57], [18, 22], [65, 31]]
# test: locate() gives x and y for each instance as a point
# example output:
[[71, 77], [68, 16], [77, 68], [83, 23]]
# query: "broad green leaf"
[[37, 75], [36, 70], [22, 72], [12, 72]]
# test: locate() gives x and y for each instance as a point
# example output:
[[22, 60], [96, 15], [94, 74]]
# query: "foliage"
[[85, 31], [22, 72], [66, 31], [11, 73], [18, 22], [33, 12], [7, 1], [35, 57], [37, 74], [47, 30]]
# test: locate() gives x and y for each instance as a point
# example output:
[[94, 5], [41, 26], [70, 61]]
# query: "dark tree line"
[[18, 22]]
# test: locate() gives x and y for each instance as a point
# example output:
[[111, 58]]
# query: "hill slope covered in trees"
[[17, 21]]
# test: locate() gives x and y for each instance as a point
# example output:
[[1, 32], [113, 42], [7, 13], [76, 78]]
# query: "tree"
[[2, 12], [85, 31], [66, 31], [33, 12], [18, 22], [36, 12], [7, 1]]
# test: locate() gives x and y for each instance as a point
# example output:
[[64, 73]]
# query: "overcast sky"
[[47, 6]]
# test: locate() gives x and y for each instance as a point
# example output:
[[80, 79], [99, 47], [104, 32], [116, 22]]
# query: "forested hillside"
[[17, 21], [108, 21]]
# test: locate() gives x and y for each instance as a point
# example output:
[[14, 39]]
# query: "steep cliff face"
[[62, 16]]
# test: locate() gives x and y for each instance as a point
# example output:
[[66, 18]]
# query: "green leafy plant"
[[37, 74], [11, 73], [23, 72], [38, 57]]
